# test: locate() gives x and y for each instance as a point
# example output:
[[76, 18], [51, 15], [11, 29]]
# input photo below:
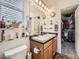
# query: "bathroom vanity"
[[43, 46]]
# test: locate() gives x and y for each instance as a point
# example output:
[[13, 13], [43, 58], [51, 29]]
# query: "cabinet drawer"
[[47, 44]]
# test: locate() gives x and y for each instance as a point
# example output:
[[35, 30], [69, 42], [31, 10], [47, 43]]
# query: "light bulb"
[[45, 7], [40, 2], [42, 5], [36, 1]]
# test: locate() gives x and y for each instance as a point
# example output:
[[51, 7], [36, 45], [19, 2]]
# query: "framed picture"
[[56, 27]]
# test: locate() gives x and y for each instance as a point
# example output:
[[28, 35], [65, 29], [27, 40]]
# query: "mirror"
[[12, 22], [12, 18]]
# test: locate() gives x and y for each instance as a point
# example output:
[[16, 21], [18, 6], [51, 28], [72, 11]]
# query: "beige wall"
[[57, 19], [64, 3], [77, 30]]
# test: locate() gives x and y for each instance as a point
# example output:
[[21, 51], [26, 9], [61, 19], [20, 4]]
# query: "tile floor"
[[69, 50], [60, 56]]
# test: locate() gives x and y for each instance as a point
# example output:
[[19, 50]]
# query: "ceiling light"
[[40, 2], [36, 1], [42, 5]]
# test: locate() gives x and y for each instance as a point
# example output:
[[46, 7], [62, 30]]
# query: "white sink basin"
[[43, 38]]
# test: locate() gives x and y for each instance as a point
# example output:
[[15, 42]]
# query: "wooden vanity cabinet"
[[47, 50]]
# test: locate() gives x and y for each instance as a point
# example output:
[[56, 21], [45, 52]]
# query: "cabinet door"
[[46, 54], [51, 51], [36, 45], [54, 47]]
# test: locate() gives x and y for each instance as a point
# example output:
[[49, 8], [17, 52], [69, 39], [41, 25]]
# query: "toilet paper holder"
[[37, 50]]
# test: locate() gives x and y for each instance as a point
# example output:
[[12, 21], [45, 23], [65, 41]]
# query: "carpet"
[[61, 56]]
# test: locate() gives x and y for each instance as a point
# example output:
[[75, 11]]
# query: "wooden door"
[[46, 54]]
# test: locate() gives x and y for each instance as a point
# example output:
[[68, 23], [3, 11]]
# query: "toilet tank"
[[16, 53]]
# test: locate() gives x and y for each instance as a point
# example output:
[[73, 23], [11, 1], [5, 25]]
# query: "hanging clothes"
[[66, 25], [71, 36]]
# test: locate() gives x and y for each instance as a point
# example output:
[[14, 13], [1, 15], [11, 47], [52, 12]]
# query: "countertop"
[[43, 38]]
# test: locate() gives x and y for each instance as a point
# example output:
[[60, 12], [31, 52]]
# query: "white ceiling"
[[60, 3], [63, 5]]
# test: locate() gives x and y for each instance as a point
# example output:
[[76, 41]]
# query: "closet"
[[68, 27]]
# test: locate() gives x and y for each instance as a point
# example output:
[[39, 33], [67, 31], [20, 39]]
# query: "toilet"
[[16, 53]]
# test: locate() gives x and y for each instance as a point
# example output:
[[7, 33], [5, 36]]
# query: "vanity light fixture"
[[40, 2]]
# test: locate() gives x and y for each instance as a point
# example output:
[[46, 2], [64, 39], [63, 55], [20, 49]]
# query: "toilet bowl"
[[16, 53]]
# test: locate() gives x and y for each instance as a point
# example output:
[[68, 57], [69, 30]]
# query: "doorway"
[[68, 33]]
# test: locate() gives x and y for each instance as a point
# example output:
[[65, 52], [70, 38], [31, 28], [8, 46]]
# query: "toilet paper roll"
[[29, 55], [36, 50]]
